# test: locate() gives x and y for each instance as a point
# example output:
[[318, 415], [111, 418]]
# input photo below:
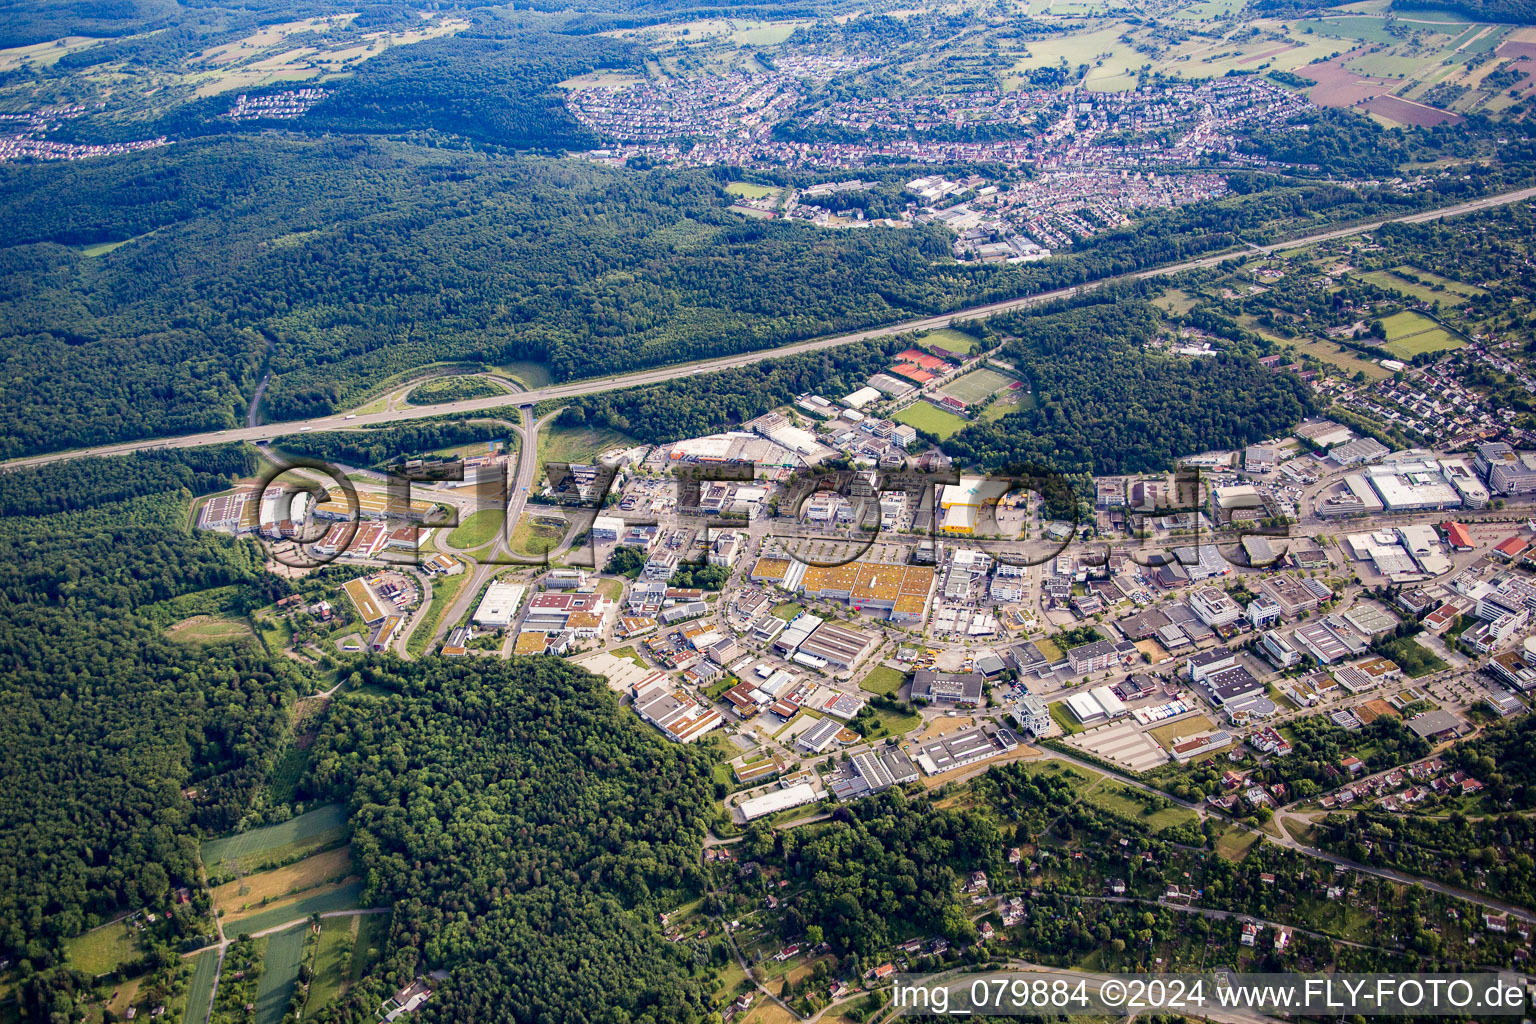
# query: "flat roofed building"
[[385, 635], [1413, 487], [798, 795], [1097, 656], [819, 736], [1280, 651], [607, 528], [1437, 725], [1229, 685], [364, 600], [837, 645], [1517, 668], [227, 512], [1214, 607], [951, 688], [499, 606], [1357, 498], [676, 713], [1208, 663], [1033, 714], [1289, 593], [966, 747]]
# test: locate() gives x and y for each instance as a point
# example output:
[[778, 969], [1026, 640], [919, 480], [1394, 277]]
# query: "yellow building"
[[961, 504]]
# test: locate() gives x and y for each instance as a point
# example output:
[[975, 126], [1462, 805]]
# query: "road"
[[338, 421], [519, 486]]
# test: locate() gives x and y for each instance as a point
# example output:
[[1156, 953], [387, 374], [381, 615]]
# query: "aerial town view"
[[645, 513]]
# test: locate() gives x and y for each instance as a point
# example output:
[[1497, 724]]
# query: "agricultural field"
[[976, 386], [1410, 333], [930, 418], [323, 900], [333, 961], [280, 971], [100, 950], [275, 844], [247, 894], [200, 993]]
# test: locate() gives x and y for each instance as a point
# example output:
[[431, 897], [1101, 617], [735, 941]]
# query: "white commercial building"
[[607, 528], [862, 397], [798, 795], [499, 606]]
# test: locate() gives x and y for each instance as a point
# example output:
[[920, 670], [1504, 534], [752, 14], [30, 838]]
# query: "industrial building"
[[499, 606], [797, 795], [954, 689]]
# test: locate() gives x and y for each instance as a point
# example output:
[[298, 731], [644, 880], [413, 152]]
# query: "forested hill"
[[343, 262], [339, 264], [103, 719], [1519, 12], [1104, 403], [494, 90], [524, 826]]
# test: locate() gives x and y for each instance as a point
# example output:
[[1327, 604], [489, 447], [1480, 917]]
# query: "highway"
[[338, 421]]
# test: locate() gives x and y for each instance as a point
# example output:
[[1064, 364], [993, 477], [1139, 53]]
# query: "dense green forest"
[[89, 483], [1104, 403], [524, 826], [106, 721], [1519, 12], [690, 406], [496, 90], [341, 262], [886, 869], [381, 446]]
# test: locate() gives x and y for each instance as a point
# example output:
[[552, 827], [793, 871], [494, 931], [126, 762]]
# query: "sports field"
[[977, 385], [311, 830], [930, 418], [1408, 334], [950, 340], [750, 190]]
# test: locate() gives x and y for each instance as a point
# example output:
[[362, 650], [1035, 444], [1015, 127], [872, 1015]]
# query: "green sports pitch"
[[975, 386]]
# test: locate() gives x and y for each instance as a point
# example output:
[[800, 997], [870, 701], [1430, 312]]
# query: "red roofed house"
[[1511, 547], [1457, 536]]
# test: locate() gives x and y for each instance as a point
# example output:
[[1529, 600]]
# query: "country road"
[[266, 432]]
